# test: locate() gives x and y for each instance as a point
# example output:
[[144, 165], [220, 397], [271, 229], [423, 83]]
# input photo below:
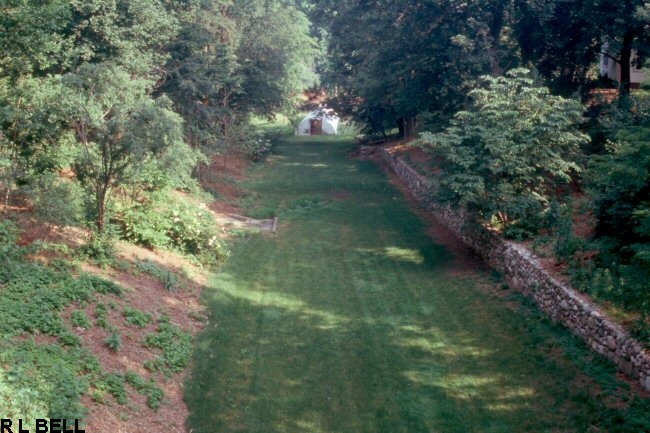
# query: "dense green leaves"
[[391, 61], [235, 59], [507, 153], [115, 89]]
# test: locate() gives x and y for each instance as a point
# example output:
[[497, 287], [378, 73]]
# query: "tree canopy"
[[112, 84]]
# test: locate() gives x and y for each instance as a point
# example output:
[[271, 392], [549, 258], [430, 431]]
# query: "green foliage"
[[116, 146], [102, 316], [56, 200], [54, 377], [114, 341], [147, 388], [114, 384], [144, 225], [176, 346], [619, 181], [167, 277], [33, 295], [507, 154], [225, 53], [80, 319], [100, 248], [386, 63], [167, 221], [136, 317]]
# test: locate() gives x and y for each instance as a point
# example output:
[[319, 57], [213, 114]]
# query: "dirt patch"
[[146, 294], [222, 175], [221, 207]]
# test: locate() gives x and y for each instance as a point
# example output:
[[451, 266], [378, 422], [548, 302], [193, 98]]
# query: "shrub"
[[136, 317], [176, 346], [100, 248], [144, 225], [147, 388], [57, 200], [168, 278], [169, 222], [513, 145], [114, 341], [79, 319]]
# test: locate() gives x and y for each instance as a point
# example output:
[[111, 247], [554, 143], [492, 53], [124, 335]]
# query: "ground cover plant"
[[350, 318], [47, 378], [50, 310]]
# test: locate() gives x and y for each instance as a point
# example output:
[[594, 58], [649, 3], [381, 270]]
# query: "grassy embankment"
[[351, 319]]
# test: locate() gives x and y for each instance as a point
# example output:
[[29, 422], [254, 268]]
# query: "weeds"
[[114, 341], [135, 317], [176, 346], [165, 276]]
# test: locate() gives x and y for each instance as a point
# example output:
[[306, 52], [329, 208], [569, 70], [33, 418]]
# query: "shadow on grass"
[[275, 363], [348, 321]]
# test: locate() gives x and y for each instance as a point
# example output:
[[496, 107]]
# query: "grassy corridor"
[[349, 320]]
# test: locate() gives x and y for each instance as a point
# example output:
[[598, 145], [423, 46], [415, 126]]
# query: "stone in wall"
[[524, 272]]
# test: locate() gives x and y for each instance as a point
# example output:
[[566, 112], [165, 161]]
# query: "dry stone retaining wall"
[[524, 272]]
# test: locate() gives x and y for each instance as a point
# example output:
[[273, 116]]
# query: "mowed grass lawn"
[[349, 320]]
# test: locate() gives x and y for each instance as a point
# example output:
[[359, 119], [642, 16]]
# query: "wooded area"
[[510, 100], [112, 112]]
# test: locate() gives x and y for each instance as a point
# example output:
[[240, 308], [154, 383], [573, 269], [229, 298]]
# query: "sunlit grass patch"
[[348, 320]]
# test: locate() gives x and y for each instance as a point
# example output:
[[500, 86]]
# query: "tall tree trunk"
[[409, 126], [101, 194], [626, 57]]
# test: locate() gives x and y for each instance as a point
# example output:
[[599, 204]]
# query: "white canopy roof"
[[330, 122]]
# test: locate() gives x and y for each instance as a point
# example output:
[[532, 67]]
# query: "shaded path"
[[349, 321]]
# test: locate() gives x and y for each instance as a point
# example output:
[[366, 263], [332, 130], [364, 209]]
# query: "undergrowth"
[[166, 277], [39, 379], [176, 346]]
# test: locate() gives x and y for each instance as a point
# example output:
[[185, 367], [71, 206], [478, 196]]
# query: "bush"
[[136, 317], [79, 319], [114, 341], [167, 222], [514, 145], [100, 248], [143, 225], [166, 277], [57, 200], [176, 346]]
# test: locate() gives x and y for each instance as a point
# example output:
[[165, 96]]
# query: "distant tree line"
[[501, 93], [390, 62]]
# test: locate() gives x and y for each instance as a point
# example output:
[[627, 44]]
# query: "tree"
[[561, 39], [506, 154], [235, 59], [276, 56], [33, 46], [118, 126], [391, 61], [625, 30], [619, 179]]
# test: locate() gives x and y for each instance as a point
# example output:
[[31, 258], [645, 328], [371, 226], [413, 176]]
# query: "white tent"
[[319, 122]]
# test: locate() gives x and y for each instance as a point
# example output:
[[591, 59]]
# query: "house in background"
[[611, 68]]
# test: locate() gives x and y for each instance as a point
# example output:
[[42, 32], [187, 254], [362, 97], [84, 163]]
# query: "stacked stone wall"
[[523, 272]]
